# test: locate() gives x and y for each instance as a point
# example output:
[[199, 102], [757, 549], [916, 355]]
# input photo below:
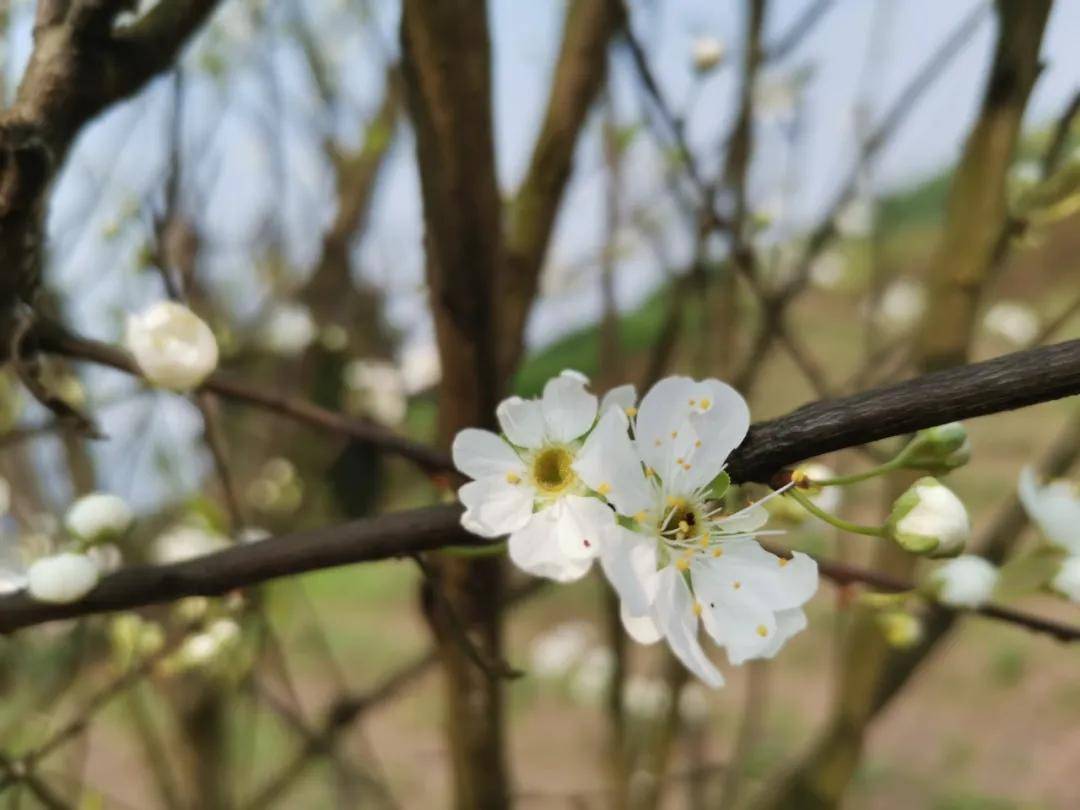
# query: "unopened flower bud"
[[900, 629], [929, 519], [708, 52], [62, 578], [938, 450], [1067, 580], [967, 582], [172, 346], [98, 518]]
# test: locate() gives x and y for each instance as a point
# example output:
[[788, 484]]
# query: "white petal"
[[745, 521], [608, 463], [582, 525], [663, 411], [569, 410], [574, 374], [621, 397], [721, 427], [629, 562], [494, 507], [777, 583], [483, 454], [734, 616], [522, 420], [641, 629], [674, 615], [534, 548], [1054, 507]]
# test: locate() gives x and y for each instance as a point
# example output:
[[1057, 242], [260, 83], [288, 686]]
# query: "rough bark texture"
[[447, 68]]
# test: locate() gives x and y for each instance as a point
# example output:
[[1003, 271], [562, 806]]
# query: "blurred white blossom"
[[186, 542], [707, 53], [902, 304], [646, 697], [967, 581], [61, 578], [1013, 322], [592, 678], [556, 652], [376, 390], [287, 329], [172, 346], [98, 516]]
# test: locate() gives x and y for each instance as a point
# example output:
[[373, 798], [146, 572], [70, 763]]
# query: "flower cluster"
[[572, 480]]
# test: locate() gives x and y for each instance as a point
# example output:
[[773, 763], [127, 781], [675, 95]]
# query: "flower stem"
[[833, 520], [854, 478]]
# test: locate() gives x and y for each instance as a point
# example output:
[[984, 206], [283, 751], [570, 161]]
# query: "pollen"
[[718, 552], [736, 584], [680, 461], [649, 472], [640, 516], [703, 541], [631, 411], [513, 478], [697, 608], [682, 564], [783, 561], [684, 527], [693, 402], [674, 501], [762, 630], [604, 488], [705, 403], [697, 443], [674, 434]]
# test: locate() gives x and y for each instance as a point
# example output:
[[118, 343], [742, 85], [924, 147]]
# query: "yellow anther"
[[649, 472], [783, 561], [703, 541], [705, 403], [631, 411], [604, 488], [718, 552], [640, 516], [657, 442], [682, 564], [693, 402], [684, 527], [697, 443], [674, 433], [697, 608], [672, 500], [762, 630], [513, 478], [679, 461], [736, 584]]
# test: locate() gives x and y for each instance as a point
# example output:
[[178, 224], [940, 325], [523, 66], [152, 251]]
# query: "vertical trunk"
[[975, 219], [448, 88]]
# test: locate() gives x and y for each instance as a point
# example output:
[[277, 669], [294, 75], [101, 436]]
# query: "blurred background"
[[275, 172]]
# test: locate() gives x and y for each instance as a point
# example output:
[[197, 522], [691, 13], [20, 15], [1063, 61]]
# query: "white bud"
[[967, 582], [62, 578], [172, 346], [707, 52], [287, 330], [1067, 580], [98, 517], [182, 543], [929, 519]]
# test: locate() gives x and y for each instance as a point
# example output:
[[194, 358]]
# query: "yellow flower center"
[[551, 470]]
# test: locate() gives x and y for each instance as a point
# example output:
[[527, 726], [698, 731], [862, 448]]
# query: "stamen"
[[697, 608], [697, 443], [640, 516], [693, 402], [783, 561], [682, 564], [649, 472], [706, 403], [513, 478], [631, 411], [718, 552], [736, 584], [674, 433], [762, 630], [604, 488]]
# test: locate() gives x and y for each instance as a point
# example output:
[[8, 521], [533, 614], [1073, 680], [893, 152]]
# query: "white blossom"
[[1013, 322], [528, 483], [61, 578], [376, 390], [592, 678], [646, 697], [420, 367], [172, 346], [679, 558], [98, 516], [929, 519], [707, 53], [967, 581], [556, 652], [902, 304], [184, 542], [288, 329], [1055, 509], [1067, 579]]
